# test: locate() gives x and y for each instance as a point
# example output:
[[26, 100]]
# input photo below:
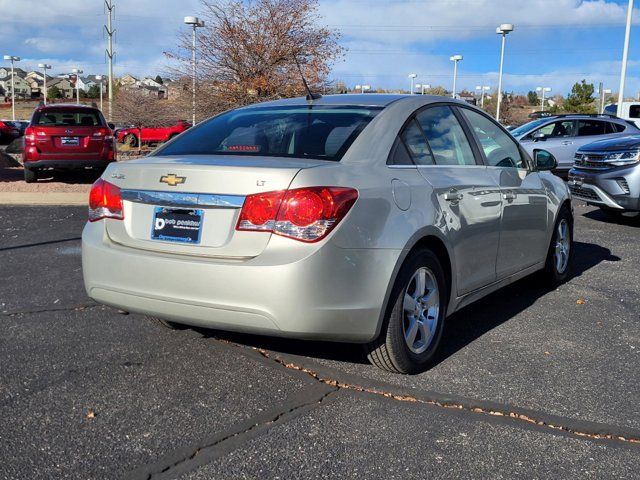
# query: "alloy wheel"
[[421, 309]]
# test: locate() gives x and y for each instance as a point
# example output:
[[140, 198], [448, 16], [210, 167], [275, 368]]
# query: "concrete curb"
[[44, 198]]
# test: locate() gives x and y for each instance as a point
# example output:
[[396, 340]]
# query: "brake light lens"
[[105, 201], [29, 134], [304, 214]]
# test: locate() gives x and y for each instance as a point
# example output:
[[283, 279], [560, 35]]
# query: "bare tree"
[[248, 49]]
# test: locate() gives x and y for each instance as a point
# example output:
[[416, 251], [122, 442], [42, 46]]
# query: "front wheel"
[[130, 140], [560, 254], [166, 323], [414, 322]]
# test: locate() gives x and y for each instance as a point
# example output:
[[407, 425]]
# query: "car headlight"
[[620, 159]]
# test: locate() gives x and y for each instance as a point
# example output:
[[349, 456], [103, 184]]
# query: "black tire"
[[552, 273], [30, 176], [130, 140], [390, 351], [166, 323]]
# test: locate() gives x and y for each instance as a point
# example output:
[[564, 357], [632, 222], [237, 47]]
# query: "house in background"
[[67, 89], [23, 88]]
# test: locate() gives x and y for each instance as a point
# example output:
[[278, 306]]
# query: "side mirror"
[[544, 160], [112, 126], [539, 137]]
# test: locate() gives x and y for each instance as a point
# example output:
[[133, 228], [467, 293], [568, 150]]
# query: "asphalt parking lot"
[[531, 383]]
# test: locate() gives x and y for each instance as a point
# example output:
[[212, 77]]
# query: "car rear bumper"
[[332, 294], [67, 164]]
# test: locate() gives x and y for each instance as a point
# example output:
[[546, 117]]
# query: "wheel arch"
[[434, 240]]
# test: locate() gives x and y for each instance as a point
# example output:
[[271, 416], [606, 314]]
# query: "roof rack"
[[610, 115]]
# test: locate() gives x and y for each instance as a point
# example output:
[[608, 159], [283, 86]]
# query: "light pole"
[[603, 94], [77, 72], [504, 29], [45, 67], [13, 89], [195, 22], [455, 59], [99, 77], [543, 90], [412, 76], [625, 55], [422, 87], [482, 89]]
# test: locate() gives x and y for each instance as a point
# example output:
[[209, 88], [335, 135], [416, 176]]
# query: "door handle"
[[453, 196], [567, 142], [509, 196]]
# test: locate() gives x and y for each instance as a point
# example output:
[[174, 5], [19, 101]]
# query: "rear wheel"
[[167, 323], [30, 176], [560, 255], [414, 322], [130, 140]]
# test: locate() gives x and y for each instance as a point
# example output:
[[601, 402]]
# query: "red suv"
[[9, 131], [130, 136], [62, 137]]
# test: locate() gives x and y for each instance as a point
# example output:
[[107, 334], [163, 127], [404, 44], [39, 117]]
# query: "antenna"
[[310, 95]]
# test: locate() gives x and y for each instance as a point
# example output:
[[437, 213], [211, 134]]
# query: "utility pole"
[[625, 55], [109, 28]]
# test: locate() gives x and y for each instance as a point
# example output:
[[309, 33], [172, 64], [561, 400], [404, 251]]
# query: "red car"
[[130, 136], [9, 131], [62, 137]]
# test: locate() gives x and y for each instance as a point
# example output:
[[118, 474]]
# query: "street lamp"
[[77, 72], [412, 76], [45, 67], [603, 93], [13, 91], [99, 77], [625, 55], [543, 90], [455, 59], [503, 30], [482, 89], [195, 22]]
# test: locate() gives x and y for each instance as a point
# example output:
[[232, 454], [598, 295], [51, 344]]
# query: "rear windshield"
[[320, 132], [67, 118]]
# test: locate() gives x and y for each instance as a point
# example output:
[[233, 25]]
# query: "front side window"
[[591, 127], [445, 136], [557, 129], [301, 131], [499, 148]]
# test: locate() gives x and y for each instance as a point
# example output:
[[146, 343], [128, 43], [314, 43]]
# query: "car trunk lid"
[[214, 186]]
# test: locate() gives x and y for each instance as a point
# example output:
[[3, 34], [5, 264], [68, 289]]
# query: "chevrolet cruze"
[[352, 218]]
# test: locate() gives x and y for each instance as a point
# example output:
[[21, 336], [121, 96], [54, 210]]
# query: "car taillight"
[[30, 134], [104, 133], [305, 214], [105, 201]]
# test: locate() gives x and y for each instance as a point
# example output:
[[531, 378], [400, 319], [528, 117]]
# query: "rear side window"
[[445, 136], [591, 127], [413, 138], [499, 148], [67, 118], [615, 127], [301, 131]]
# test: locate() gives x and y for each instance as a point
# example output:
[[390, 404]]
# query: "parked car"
[[356, 218], [63, 137], [562, 135], [630, 111], [607, 174], [21, 125], [131, 136], [540, 114], [8, 131]]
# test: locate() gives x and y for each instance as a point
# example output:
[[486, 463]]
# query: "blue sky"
[[555, 42]]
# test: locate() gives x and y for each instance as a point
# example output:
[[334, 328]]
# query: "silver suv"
[[607, 174], [562, 135], [354, 218]]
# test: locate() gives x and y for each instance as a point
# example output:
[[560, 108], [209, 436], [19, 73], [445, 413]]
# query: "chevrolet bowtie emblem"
[[172, 179]]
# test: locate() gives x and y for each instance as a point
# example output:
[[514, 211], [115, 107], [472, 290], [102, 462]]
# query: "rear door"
[[524, 225], [468, 196], [69, 134]]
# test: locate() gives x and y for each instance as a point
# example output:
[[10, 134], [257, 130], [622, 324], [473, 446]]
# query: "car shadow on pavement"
[[462, 328], [628, 219]]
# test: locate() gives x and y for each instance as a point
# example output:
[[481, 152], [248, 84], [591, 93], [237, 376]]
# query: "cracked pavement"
[[530, 382]]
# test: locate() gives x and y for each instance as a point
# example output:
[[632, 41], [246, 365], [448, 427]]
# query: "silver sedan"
[[351, 218]]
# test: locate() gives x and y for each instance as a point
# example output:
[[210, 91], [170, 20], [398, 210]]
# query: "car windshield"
[[527, 127], [302, 131], [67, 118]]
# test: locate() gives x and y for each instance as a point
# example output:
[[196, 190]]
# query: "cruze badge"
[[172, 179]]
